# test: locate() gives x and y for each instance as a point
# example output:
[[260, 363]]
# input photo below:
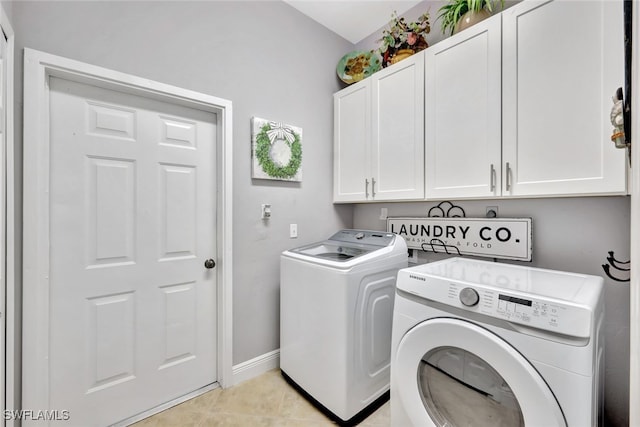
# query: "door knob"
[[210, 263]]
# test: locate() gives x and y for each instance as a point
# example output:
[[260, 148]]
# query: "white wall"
[[271, 62], [570, 234]]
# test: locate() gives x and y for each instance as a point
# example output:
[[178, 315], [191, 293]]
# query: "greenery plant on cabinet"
[[457, 15], [403, 38]]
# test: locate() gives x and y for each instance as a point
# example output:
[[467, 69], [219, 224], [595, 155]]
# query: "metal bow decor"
[[280, 131]]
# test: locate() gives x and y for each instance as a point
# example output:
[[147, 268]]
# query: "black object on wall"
[[617, 266], [628, 14]]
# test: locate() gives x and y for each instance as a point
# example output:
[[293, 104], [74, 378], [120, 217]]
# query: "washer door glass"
[[448, 376]]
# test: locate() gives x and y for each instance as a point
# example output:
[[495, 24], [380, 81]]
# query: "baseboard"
[[164, 406], [256, 366]]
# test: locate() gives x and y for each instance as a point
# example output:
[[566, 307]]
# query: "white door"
[[132, 217], [463, 113], [557, 89], [352, 140], [397, 142], [454, 373]]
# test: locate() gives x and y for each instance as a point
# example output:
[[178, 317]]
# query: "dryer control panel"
[[561, 317], [556, 301], [535, 312]]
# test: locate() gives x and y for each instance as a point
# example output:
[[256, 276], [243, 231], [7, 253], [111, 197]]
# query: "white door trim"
[[634, 297], [38, 68], [12, 341]]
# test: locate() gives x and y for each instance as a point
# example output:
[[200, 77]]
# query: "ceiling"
[[354, 20]]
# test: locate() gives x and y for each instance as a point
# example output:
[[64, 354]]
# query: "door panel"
[[177, 208], [463, 121], [352, 135], [558, 86], [398, 131], [110, 238], [132, 205]]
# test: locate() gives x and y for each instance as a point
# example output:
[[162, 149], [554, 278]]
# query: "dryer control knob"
[[469, 297]]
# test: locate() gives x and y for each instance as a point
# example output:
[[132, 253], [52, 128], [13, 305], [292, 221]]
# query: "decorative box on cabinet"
[[518, 104], [379, 135]]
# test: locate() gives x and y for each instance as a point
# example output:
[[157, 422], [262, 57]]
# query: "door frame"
[[9, 380], [38, 68]]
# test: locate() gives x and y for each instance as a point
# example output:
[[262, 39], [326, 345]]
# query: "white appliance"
[[336, 308], [487, 344]]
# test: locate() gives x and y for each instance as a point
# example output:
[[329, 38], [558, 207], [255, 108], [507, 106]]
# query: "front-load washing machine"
[[336, 308], [479, 343]]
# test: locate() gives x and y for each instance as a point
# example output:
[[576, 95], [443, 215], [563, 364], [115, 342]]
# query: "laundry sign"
[[505, 238]]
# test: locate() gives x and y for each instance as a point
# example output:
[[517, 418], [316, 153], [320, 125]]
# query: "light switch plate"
[[266, 211]]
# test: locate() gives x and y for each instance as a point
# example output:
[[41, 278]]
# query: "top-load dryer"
[[336, 308]]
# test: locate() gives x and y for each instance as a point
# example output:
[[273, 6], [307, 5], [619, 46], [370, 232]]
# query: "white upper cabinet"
[[352, 139], [463, 124], [398, 131], [562, 62], [523, 110], [379, 135], [517, 105]]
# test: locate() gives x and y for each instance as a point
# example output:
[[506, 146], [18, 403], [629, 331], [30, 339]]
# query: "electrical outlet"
[[383, 214], [413, 256], [293, 231], [491, 212]]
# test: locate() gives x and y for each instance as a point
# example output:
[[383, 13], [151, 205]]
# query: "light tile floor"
[[266, 400]]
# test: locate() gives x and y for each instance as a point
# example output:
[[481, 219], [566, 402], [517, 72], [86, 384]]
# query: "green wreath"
[[263, 146]]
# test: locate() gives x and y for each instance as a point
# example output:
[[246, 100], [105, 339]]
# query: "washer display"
[[486, 344]]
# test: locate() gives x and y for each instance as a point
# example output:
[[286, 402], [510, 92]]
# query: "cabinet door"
[[397, 142], [463, 121], [563, 61], [352, 136]]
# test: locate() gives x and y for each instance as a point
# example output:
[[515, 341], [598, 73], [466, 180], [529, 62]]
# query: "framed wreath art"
[[276, 150]]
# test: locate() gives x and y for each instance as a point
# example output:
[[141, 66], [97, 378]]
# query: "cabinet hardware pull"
[[508, 177], [493, 178], [366, 188], [373, 188]]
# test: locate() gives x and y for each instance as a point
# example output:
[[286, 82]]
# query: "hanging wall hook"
[[437, 243], [615, 264]]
